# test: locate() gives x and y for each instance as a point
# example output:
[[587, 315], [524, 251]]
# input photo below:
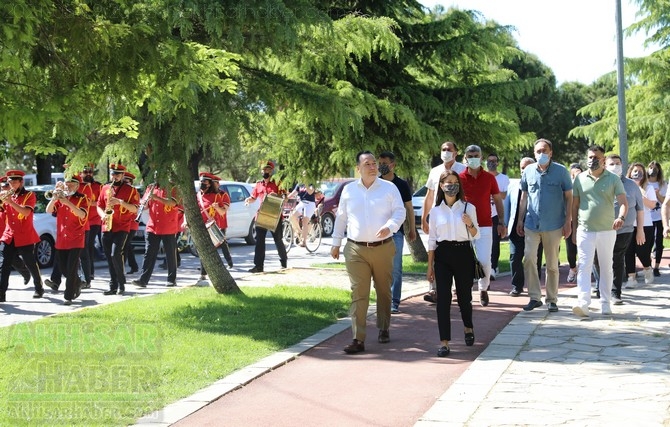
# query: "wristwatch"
[[622, 218]]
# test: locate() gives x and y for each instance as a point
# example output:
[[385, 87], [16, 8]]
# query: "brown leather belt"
[[372, 244]]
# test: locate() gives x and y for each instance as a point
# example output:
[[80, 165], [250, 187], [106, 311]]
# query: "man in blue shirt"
[[544, 217]]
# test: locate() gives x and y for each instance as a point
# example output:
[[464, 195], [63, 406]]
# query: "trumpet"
[[6, 194], [59, 192]]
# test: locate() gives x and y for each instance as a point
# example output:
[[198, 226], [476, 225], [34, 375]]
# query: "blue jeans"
[[396, 287]]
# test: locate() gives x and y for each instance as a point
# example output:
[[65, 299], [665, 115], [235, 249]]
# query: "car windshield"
[[421, 192], [329, 188]]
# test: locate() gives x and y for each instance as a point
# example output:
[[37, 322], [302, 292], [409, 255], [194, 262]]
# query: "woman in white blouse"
[[453, 223], [638, 173]]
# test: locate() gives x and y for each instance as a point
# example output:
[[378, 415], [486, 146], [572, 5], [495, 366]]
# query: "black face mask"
[[266, 175], [384, 169], [204, 186], [593, 164]]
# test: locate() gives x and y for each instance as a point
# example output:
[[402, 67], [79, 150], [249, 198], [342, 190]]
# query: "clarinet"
[[144, 201]]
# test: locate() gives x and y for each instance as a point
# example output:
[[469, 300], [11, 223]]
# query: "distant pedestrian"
[[657, 181], [594, 227], [544, 184], [570, 246], [453, 224], [638, 173], [387, 172], [627, 232], [479, 187], [370, 211], [503, 183]]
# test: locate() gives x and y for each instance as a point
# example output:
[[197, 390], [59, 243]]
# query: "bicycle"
[[314, 234]]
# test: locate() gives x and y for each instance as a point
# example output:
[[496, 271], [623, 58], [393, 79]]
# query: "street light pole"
[[621, 89]]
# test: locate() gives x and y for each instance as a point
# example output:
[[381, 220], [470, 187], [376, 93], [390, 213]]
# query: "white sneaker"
[[572, 276], [605, 309], [617, 300], [580, 310], [648, 276], [630, 283]]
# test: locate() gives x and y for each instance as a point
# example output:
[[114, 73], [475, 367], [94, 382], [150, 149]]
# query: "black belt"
[[453, 243], [372, 244]]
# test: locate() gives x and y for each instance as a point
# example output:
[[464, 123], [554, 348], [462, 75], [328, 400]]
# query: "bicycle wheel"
[[287, 235], [314, 237]]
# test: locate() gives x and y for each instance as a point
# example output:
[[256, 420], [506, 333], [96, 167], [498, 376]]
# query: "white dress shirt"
[[433, 180], [446, 223], [362, 211]]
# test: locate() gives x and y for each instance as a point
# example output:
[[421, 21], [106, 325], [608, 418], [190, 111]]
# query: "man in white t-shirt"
[[503, 183], [448, 153]]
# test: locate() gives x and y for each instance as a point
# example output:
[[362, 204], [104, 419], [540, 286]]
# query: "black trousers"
[[658, 241], [621, 245], [93, 233], [259, 254], [643, 252], [495, 246], [113, 244], [225, 250], [68, 261], [129, 252], [27, 253], [453, 262], [17, 264], [57, 272], [153, 245], [571, 250]]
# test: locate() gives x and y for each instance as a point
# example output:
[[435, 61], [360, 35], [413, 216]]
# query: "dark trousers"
[[27, 253], [621, 245], [643, 252], [129, 252], [495, 246], [151, 253], [658, 241], [454, 262], [113, 244], [57, 272], [92, 234], [225, 250], [517, 246], [17, 264], [259, 254], [68, 262], [571, 249]]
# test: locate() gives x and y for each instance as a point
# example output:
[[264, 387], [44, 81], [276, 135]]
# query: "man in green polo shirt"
[[594, 227]]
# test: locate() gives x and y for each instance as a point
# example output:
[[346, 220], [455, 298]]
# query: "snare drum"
[[270, 212], [215, 233]]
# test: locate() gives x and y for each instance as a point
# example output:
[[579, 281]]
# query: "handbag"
[[479, 268]]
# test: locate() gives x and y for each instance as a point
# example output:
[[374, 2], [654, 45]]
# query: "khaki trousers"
[[551, 243], [364, 264]]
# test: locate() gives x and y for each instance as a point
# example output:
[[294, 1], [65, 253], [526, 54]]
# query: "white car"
[[417, 203]]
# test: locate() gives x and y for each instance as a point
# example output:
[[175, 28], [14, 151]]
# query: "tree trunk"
[[221, 279], [417, 250]]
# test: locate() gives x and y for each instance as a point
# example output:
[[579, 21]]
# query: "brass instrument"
[[59, 192], [144, 201], [4, 195], [109, 209]]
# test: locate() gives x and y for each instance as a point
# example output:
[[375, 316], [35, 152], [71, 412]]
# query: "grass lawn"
[[409, 266], [112, 364]]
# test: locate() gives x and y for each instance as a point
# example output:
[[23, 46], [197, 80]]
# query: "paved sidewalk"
[[541, 369]]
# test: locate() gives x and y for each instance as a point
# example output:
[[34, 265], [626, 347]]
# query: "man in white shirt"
[[370, 211], [448, 153]]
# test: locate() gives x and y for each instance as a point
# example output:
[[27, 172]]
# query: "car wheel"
[[45, 251], [251, 237], [327, 224]]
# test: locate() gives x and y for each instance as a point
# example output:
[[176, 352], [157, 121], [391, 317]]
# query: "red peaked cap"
[[117, 168], [210, 176], [15, 173]]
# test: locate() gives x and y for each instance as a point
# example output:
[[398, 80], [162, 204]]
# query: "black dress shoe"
[[110, 292], [483, 298], [38, 293], [132, 271], [284, 263], [51, 284], [514, 293], [469, 339], [430, 297], [3, 298], [138, 283], [532, 304], [384, 336], [657, 273], [443, 351], [256, 270], [230, 263], [355, 347], [121, 291], [26, 279]]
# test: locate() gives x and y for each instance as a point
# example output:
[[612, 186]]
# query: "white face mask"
[[447, 156], [615, 169], [474, 162]]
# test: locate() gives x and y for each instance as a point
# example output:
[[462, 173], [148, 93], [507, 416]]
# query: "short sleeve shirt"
[[596, 199], [546, 196], [478, 191]]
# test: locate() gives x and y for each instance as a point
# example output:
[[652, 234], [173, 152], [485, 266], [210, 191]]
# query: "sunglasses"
[[15, 179], [115, 173]]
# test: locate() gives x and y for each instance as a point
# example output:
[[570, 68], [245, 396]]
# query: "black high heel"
[[470, 338]]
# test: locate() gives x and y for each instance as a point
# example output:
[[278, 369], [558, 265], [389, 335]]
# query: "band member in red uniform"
[[94, 222], [71, 208], [20, 235], [17, 263], [163, 226], [117, 206], [128, 251], [262, 189], [222, 220], [213, 206]]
